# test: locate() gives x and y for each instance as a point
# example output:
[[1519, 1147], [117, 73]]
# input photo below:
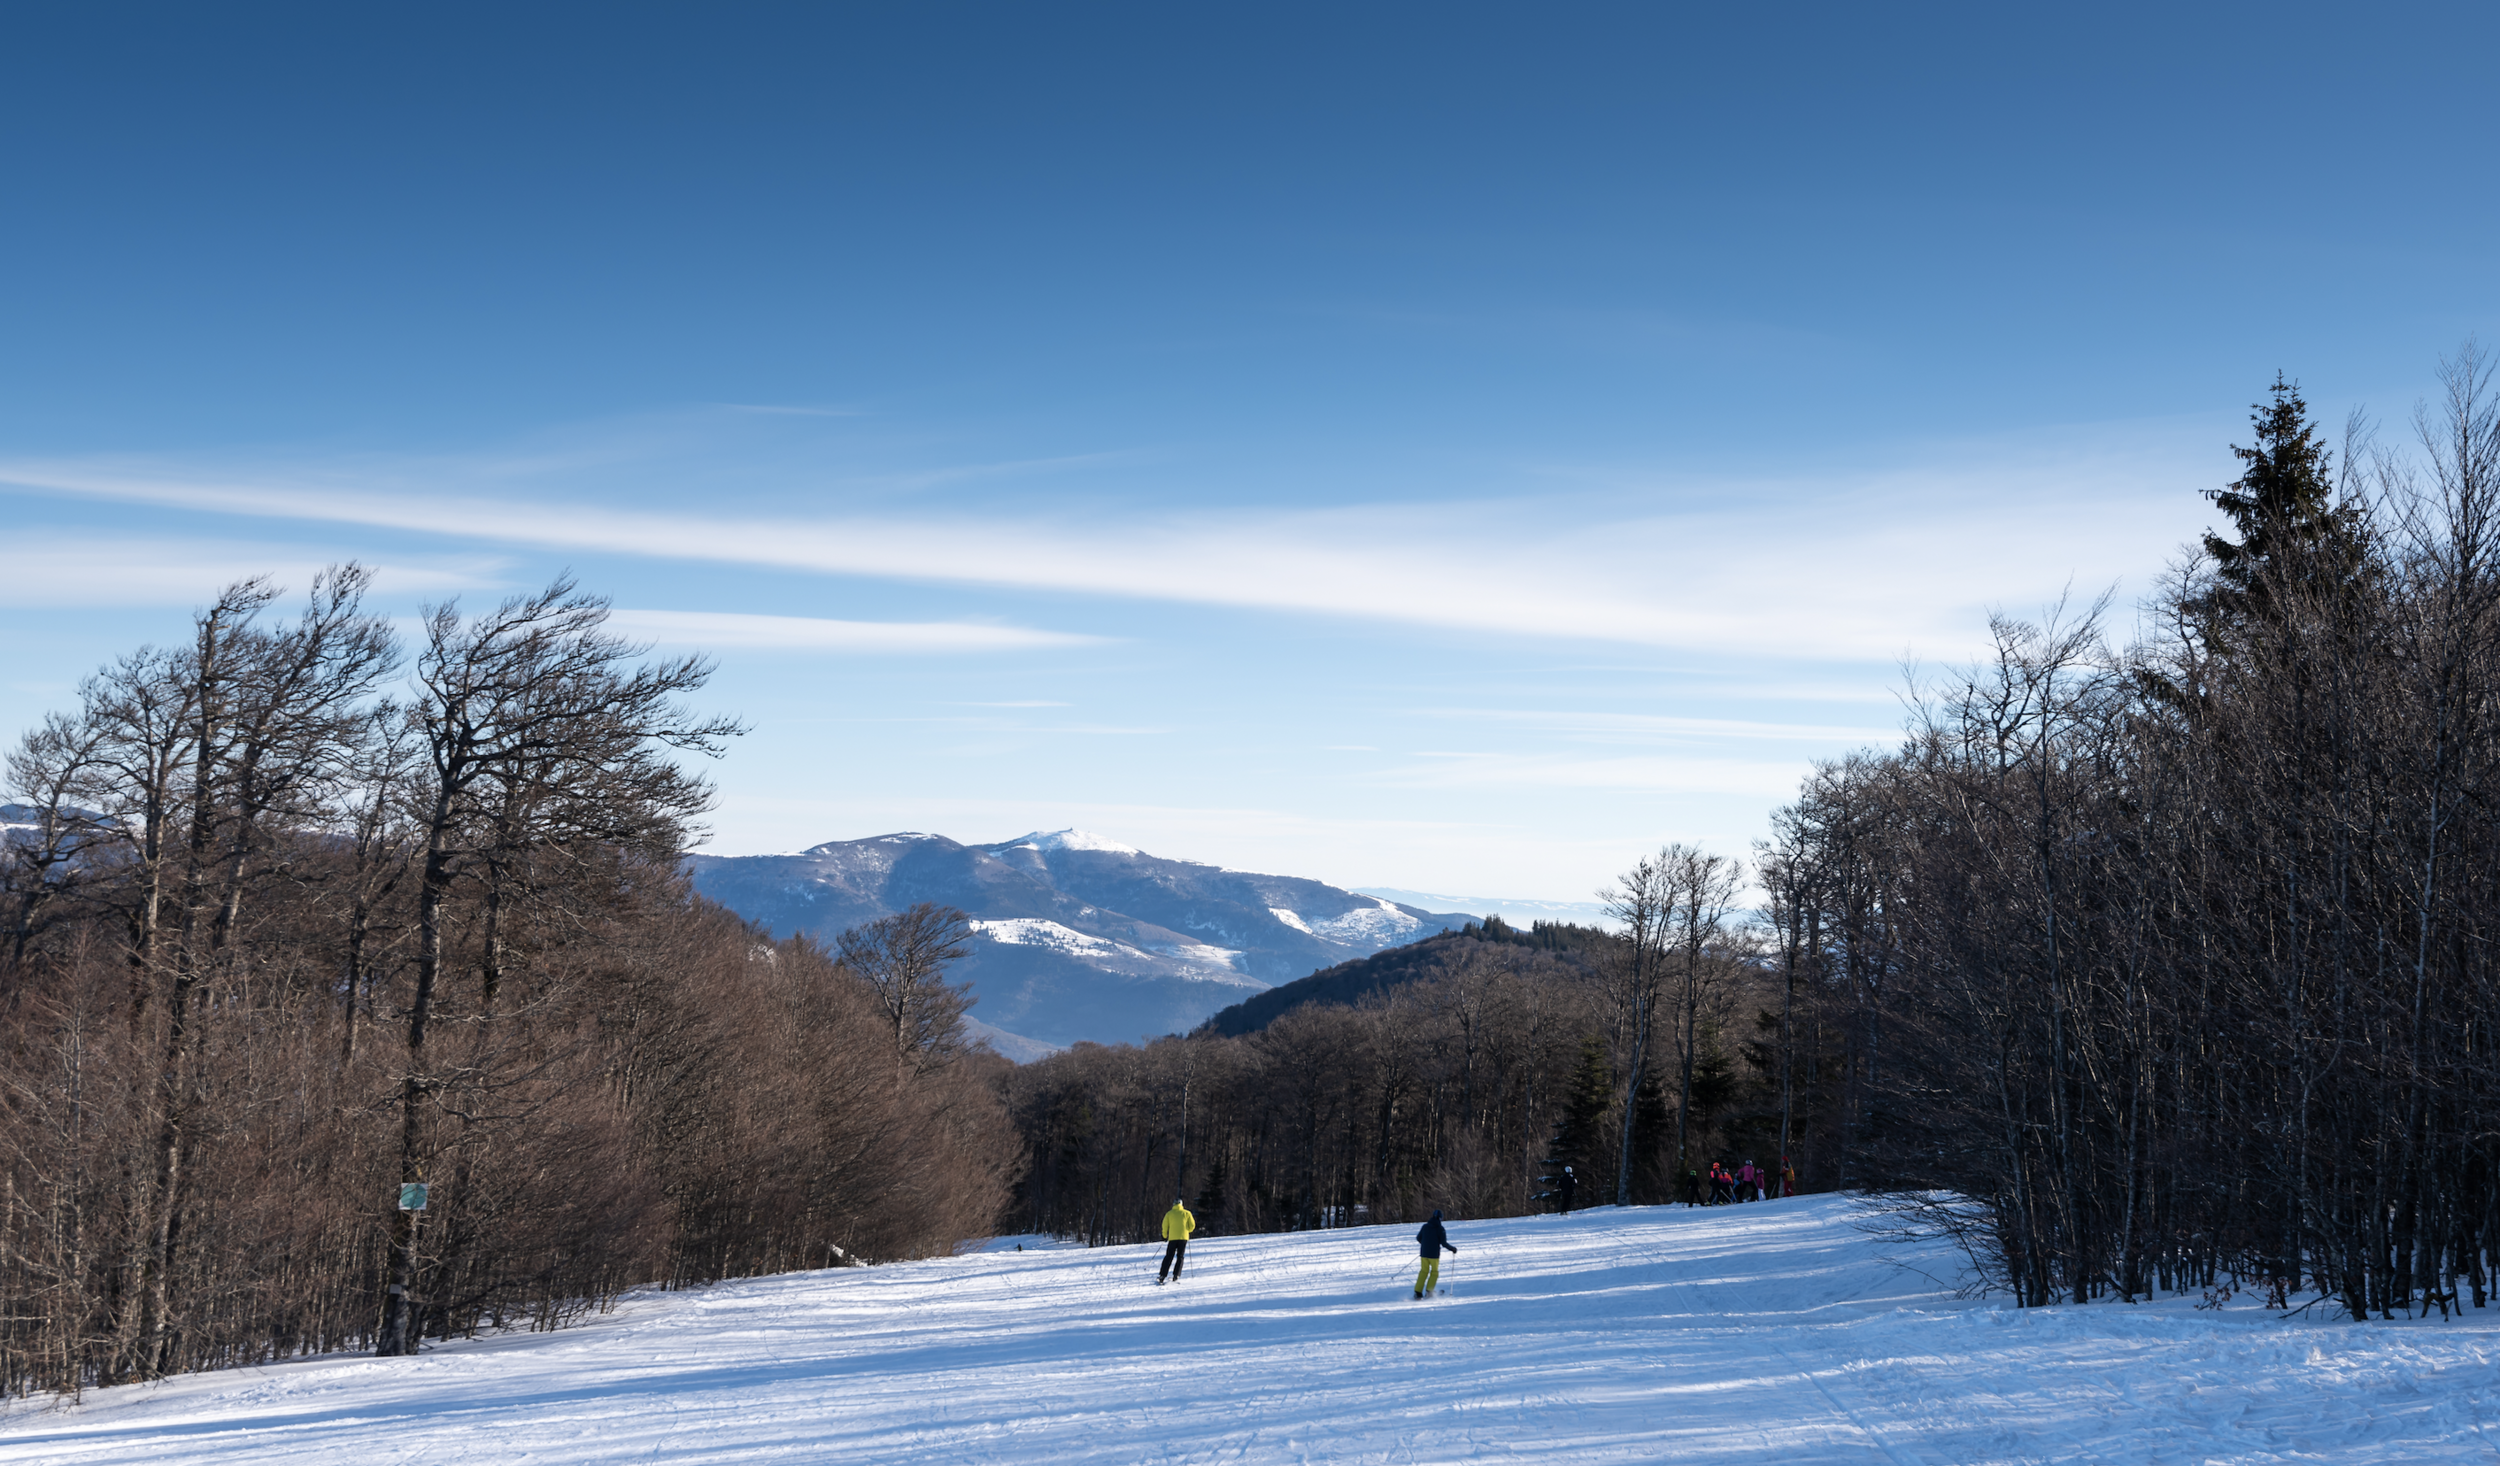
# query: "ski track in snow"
[[1761, 1333]]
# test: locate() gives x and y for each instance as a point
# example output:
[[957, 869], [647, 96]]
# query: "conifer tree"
[[2293, 529], [1210, 1203], [1650, 1182], [1584, 1108]]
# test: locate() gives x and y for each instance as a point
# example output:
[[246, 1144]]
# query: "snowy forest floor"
[[1771, 1332]]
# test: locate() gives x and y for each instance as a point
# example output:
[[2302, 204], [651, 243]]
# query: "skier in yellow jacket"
[[1177, 1225]]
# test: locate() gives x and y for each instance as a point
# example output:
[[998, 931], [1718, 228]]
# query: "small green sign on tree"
[[412, 1196]]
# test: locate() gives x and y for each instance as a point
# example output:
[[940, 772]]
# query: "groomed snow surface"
[[1770, 1332]]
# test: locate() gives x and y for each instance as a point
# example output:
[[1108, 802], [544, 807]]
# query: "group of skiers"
[[1747, 1182], [1180, 1224]]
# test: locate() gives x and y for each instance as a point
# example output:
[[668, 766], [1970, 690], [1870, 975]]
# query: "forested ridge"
[[295, 920], [2154, 965], [1350, 982]]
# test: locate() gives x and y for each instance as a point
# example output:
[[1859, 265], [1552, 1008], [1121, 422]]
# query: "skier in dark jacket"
[[1563, 1193], [1431, 1238]]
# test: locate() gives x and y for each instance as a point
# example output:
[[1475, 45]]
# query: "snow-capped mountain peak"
[[899, 837], [1072, 840]]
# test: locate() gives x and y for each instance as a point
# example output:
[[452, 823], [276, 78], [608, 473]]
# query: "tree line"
[[2141, 965], [300, 927], [2171, 962]]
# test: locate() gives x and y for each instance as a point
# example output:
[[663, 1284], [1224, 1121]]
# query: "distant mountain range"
[[1520, 913], [1076, 937]]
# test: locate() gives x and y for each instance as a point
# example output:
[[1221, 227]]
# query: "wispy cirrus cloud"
[[811, 633], [52, 569], [781, 409], [1652, 728], [1863, 569], [1648, 774], [87, 570]]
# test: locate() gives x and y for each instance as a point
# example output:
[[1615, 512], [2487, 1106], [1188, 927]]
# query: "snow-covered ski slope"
[[1765, 1333]]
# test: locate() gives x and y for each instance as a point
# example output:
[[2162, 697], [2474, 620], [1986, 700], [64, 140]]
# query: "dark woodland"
[[2174, 961], [276, 944]]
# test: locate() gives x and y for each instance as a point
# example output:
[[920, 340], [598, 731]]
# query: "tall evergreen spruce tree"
[[1651, 1182], [1210, 1203], [1584, 1108], [2293, 531]]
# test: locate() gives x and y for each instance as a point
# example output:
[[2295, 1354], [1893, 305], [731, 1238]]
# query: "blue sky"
[[1455, 448]]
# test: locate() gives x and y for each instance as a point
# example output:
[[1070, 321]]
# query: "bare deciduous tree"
[[903, 958], [221, 854], [540, 729]]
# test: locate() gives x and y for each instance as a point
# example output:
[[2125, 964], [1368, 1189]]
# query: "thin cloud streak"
[[931, 478], [1663, 728], [1790, 579], [809, 633], [969, 724], [60, 570], [1455, 770]]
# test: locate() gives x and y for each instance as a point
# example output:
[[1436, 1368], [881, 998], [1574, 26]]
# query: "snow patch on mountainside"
[[1013, 1046], [1033, 931], [1200, 952], [1380, 924], [1289, 918]]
